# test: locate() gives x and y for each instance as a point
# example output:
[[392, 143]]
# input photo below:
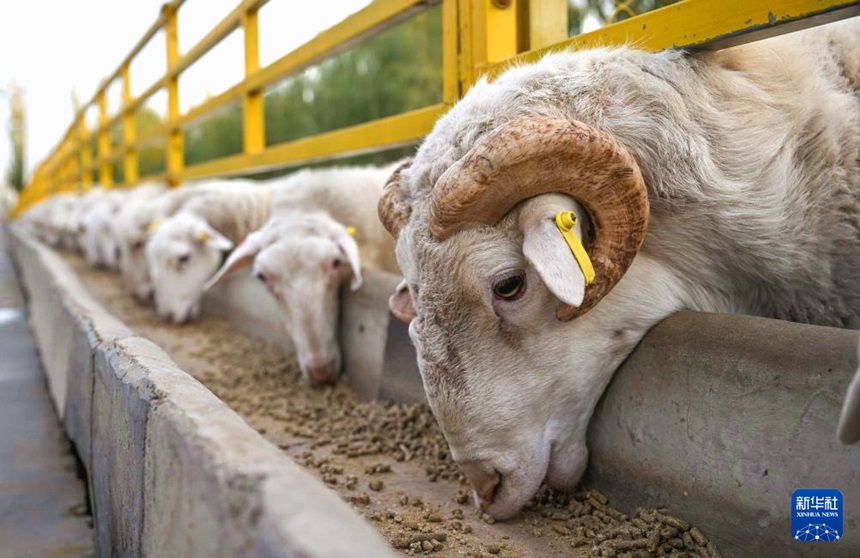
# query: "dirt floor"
[[390, 462]]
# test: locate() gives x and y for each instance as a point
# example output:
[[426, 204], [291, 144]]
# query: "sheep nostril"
[[322, 374], [484, 480]]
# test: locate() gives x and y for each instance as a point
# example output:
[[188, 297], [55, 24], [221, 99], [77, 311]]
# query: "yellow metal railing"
[[480, 37]]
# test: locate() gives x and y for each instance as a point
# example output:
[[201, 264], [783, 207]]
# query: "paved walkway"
[[43, 509]]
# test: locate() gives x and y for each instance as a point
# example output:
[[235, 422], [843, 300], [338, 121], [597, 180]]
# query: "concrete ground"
[[43, 502]]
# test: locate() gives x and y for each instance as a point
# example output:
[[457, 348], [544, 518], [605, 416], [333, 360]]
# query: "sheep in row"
[[742, 165], [136, 222], [323, 228], [187, 248], [308, 233], [102, 217], [47, 220], [75, 223], [97, 241]]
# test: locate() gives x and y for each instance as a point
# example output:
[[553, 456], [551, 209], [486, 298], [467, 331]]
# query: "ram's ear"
[[349, 247], [547, 251], [242, 256], [849, 421], [401, 305], [205, 235]]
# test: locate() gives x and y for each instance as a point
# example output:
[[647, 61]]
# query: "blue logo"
[[816, 514]]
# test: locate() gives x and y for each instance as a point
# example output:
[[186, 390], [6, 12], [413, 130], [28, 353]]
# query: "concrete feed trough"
[[172, 470], [718, 418]]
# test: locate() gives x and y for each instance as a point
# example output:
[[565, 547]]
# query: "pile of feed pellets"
[[390, 461]]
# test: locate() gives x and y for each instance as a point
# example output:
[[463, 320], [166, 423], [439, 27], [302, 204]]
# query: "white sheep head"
[[100, 244], [134, 226], [182, 254], [493, 291], [302, 261]]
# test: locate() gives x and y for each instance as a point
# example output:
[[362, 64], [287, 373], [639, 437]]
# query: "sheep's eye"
[[335, 262], [137, 245], [183, 259], [261, 276], [510, 289]]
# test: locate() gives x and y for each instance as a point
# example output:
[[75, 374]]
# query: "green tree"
[[17, 123], [217, 136], [396, 71]]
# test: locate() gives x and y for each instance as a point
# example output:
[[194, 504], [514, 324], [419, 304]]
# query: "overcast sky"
[[54, 47]]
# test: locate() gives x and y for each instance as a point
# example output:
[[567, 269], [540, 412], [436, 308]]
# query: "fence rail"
[[480, 37]]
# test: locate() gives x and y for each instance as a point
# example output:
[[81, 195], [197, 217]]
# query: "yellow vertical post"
[[58, 185], [49, 183], [86, 154], [488, 33], [72, 162], [75, 159], [67, 167], [252, 101], [129, 129], [41, 191], [58, 170], [77, 169], [465, 65], [61, 166], [49, 186], [545, 23], [175, 148], [71, 167], [450, 49], [58, 181], [105, 166], [64, 166]]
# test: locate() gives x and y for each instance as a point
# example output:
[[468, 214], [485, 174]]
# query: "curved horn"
[[393, 207], [528, 157]]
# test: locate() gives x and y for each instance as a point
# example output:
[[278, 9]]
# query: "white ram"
[[748, 159], [189, 247], [301, 251]]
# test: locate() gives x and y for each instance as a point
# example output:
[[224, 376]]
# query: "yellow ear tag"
[[201, 237], [153, 226], [350, 230], [565, 220]]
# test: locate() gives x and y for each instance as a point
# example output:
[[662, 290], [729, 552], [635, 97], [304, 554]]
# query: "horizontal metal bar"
[[150, 33], [393, 131], [373, 19], [141, 44], [154, 134], [699, 25], [222, 29]]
